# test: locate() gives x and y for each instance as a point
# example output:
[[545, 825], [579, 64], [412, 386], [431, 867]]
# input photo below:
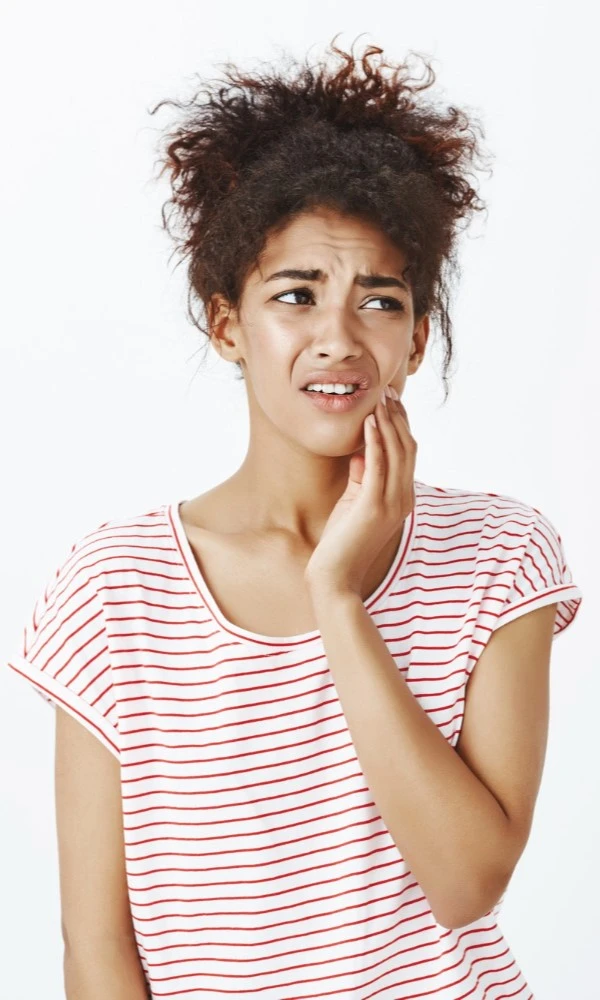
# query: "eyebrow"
[[364, 280]]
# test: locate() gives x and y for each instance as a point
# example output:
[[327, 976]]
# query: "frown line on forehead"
[[364, 280]]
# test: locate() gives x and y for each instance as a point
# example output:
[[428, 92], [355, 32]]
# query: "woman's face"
[[288, 327]]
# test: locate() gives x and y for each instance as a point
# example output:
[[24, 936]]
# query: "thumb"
[[356, 469]]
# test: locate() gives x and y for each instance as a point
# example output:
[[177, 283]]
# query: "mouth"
[[335, 402]]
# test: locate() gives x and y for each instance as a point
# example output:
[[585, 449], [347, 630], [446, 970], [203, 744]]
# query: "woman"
[[303, 716]]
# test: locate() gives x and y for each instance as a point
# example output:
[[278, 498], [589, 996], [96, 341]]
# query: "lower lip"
[[336, 402]]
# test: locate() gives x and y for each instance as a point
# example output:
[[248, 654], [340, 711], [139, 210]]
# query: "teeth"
[[338, 388]]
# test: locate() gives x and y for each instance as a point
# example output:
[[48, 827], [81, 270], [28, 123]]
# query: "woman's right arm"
[[100, 956]]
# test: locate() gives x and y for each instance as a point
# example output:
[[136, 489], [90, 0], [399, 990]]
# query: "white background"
[[107, 409]]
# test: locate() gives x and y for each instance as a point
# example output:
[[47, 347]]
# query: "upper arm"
[[505, 725], [93, 886]]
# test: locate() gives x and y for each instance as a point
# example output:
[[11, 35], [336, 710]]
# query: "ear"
[[222, 322], [419, 343]]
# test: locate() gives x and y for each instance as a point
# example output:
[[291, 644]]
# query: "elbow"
[[466, 908], [454, 921]]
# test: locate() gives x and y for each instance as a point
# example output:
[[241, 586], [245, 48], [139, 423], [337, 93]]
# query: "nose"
[[335, 333]]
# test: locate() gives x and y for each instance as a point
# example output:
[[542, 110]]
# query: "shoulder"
[[451, 498], [507, 550], [496, 532], [120, 542], [464, 511]]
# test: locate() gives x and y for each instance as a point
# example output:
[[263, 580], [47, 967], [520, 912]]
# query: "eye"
[[293, 291], [392, 304]]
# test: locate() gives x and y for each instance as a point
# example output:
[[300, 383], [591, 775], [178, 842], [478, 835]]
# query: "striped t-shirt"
[[257, 862]]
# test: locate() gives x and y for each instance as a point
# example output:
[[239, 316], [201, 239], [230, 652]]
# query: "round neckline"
[[371, 603]]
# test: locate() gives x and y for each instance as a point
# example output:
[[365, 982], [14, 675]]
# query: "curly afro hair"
[[253, 151]]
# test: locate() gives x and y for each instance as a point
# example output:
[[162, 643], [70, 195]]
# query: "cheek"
[[274, 352], [399, 365]]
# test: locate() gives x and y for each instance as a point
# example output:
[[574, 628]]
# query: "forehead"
[[325, 235]]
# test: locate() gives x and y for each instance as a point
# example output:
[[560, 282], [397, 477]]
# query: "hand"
[[379, 496]]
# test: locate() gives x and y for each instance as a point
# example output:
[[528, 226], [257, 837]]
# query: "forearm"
[[447, 825], [99, 971]]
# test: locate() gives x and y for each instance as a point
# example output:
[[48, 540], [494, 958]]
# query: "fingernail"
[[383, 398], [389, 392], [394, 393]]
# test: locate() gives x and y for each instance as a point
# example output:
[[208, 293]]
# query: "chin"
[[338, 449]]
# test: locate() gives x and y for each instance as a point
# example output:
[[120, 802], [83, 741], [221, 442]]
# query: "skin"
[[460, 818], [297, 463]]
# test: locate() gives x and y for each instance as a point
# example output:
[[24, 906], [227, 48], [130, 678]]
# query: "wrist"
[[321, 584]]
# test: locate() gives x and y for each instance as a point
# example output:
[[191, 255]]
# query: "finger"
[[401, 456], [375, 463], [397, 410], [398, 407], [393, 449]]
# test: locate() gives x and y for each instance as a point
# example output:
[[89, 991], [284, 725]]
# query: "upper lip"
[[351, 376]]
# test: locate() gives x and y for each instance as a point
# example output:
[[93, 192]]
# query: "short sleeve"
[[65, 652], [542, 577]]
